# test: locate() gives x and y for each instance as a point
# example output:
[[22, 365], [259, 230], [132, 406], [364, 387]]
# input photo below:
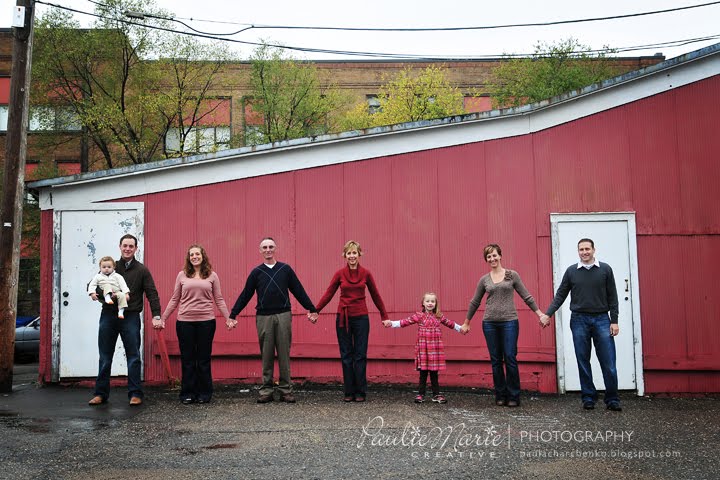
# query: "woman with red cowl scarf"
[[352, 322]]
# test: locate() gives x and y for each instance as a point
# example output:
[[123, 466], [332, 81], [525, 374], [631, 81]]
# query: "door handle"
[[627, 285]]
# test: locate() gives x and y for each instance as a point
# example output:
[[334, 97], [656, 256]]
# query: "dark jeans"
[[433, 382], [501, 338], [196, 339], [129, 331], [586, 327], [353, 344]]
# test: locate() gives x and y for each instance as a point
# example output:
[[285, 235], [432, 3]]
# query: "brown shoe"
[[136, 401], [288, 398], [265, 398], [96, 400]]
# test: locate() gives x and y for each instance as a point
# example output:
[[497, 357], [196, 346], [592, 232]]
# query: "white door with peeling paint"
[[614, 237], [85, 236]]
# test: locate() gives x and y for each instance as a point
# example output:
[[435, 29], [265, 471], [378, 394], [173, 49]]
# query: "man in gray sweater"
[[591, 285]]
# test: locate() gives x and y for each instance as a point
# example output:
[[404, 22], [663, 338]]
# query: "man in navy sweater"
[[593, 294], [271, 280]]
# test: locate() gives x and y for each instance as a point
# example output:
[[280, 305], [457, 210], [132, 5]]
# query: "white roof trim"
[[339, 149]]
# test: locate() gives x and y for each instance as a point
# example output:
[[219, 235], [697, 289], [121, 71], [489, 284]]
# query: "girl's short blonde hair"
[[351, 245]]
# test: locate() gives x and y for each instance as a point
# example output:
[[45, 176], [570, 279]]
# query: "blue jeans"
[[501, 338], [195, 340], [129, 331], [353, 344], [584, 327]]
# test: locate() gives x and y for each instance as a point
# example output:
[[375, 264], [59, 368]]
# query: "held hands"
[[158, 323], [231, 323], [313, 317], [544, 320], [387, 323], [465, 328]]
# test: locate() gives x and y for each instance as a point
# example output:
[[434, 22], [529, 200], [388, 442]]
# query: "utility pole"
[[14, 189]]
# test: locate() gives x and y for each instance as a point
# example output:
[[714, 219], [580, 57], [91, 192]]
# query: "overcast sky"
[[223, 16]]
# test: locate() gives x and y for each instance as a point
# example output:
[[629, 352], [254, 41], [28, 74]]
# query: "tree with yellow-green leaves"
[[552, 70], [290, 97], [124, 85], [409, 97]]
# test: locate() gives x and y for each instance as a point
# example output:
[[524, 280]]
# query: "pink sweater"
[[197, 298]]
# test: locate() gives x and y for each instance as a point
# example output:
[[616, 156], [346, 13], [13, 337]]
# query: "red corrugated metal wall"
[[423, 219]]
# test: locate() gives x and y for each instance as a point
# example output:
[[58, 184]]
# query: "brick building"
[[360, 80]]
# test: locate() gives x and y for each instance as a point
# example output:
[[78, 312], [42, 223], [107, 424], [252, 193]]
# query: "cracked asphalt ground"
[[51, 433]]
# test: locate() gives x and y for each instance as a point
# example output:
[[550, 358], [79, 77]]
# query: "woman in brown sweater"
[[500, 323]]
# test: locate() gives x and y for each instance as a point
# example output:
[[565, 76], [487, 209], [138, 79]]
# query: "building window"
[[373, 104], [3, 118], [52, 118], [254, 135], [198, 140]]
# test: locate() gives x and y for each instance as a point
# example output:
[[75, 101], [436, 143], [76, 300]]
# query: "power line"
[[396, 56], [445, 29]]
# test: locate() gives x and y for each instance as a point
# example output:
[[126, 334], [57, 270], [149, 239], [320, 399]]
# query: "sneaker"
[[439, 399], [589, 405], [614, 406], [187, 400], [419, 398]]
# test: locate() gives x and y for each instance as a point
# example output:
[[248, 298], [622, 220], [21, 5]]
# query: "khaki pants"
[[121, 298], [275, 336]]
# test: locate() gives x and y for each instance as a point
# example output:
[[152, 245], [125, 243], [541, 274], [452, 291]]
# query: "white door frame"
[[56, 291], [559, 270]]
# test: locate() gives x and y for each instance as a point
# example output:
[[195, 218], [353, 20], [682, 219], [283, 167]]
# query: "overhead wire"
[[431, 29], [452, 29], [396, 56]]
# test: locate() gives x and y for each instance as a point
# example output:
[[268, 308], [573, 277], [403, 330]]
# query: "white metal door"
[[614, 237], [85, 237]]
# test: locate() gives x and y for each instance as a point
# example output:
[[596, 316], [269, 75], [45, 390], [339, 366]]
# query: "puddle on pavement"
[[91, 425], [47, 425]]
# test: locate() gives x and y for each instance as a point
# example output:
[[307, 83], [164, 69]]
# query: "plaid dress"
[[429, 350]]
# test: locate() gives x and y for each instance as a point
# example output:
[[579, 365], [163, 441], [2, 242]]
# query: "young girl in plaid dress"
[[429, 351]]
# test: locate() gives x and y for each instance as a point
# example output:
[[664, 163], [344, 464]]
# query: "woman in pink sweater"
[[197, 292]]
